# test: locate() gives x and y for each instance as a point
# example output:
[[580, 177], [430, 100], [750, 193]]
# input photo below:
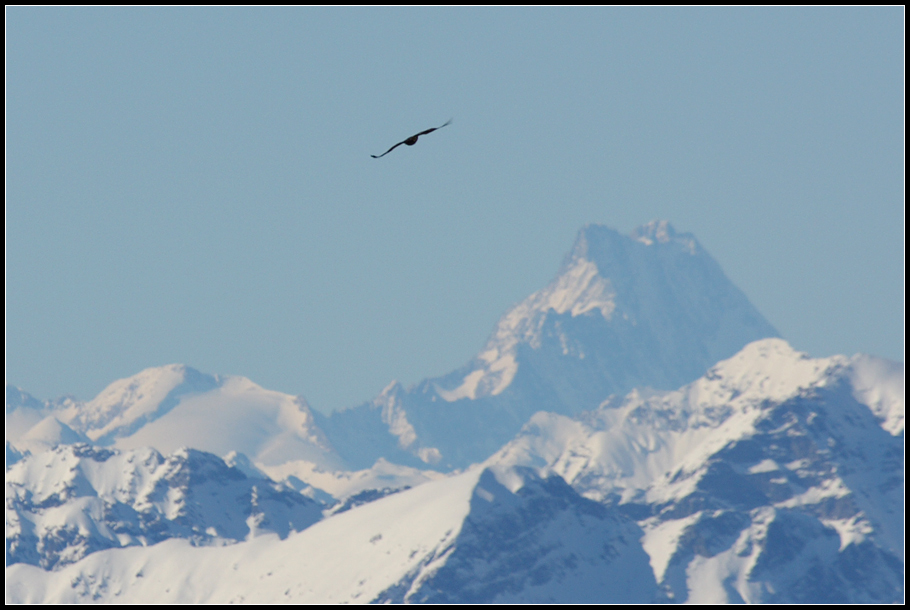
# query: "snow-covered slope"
[[466, 538], [24, 413], [47, 434], [650, 309], [176, 406], [773, 478], [64, 504], [340, 484]]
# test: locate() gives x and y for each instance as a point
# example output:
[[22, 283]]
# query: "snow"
[[661, 538], [829, 488], [65, 503], [661, 232], [176, 406], [468, 389], [638, 440], [770, 370], [656, 448], [851, 530], [126, 401], [707, 579], [455, 538], [394, 416], [724, 577], [651, 448], [578, 290], [634, 443], [21, 418], [340, 484], [47, 434], [349, 558], [766, 465], [238, 415], [879, 383]]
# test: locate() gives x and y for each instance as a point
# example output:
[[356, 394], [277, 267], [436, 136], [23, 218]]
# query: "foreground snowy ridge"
[[461, 538]]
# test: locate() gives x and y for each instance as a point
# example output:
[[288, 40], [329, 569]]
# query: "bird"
[[413, 139]]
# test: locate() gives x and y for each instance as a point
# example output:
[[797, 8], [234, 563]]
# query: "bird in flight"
[[413, 139]]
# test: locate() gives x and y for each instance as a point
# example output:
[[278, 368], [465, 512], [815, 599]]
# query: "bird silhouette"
[[413, 139]]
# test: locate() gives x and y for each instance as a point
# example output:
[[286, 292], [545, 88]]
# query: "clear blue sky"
[[195, 185]]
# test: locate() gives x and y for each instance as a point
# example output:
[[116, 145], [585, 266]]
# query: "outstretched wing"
[[412, 139], [390, 150], [431, 129]]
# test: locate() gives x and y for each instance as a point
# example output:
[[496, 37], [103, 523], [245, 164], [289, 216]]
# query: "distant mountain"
[[47, 434], [23, 414], [176, 406], [775, 478], [64, 504], [484, 536], [652, 309]]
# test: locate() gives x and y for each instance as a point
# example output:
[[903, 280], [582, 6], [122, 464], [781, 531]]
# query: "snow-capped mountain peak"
[[24, 412], [639, 437], [769, 369], [128, 404], [173, 406], [625, 280], [47, 434], [662, 232], [578, 290]]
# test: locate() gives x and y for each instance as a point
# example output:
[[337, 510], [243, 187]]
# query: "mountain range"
[[633, 432], [73, 500]]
